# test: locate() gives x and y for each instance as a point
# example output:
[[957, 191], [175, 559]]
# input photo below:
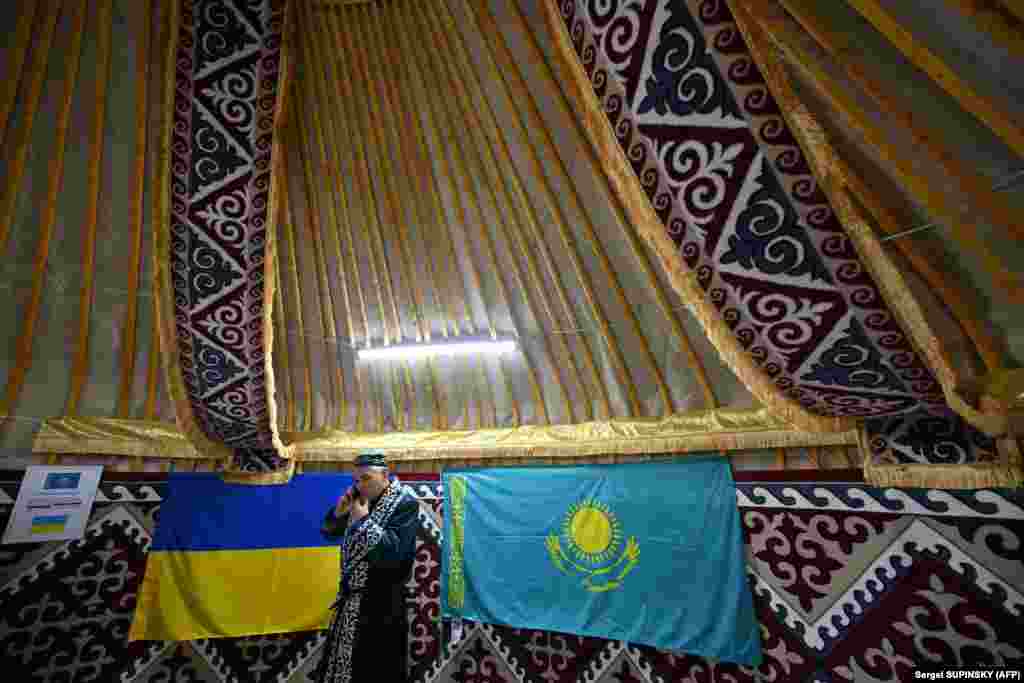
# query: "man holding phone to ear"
[[376, 520]]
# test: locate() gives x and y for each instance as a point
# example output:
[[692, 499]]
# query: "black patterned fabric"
[[226, 77], [715, 156], [927, 439]]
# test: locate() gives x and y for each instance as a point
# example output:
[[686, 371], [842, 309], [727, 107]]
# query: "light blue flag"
[[648, 553]]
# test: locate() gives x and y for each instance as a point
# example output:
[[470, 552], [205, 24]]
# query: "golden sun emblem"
[[593, 531], [594, 535]]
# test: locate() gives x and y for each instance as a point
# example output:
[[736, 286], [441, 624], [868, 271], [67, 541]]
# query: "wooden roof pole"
[[1001, 123], [794, 45]]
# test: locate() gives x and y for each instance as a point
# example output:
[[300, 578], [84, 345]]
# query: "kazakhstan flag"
[[648, 553]]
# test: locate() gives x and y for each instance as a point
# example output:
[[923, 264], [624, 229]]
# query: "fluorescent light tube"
[[409, 351]]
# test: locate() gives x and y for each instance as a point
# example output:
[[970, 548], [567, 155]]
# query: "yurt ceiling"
[[437, 177]]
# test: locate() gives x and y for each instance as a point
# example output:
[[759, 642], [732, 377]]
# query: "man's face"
[[371, 481]]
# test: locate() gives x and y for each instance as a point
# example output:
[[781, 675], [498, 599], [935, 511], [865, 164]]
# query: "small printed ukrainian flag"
[[49, 524]]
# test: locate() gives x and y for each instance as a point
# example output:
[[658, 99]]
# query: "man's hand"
[[345, 502], [360, 509]]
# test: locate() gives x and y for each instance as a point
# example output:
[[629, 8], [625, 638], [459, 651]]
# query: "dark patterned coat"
[[367, 638]]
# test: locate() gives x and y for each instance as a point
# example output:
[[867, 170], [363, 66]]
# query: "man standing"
[[377, 521]]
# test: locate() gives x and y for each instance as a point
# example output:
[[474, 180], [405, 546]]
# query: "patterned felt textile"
[[927, 439], [227, 64], [736, 195], [850, 583]]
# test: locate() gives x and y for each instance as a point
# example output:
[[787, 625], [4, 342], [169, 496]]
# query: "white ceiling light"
[[451, 348]]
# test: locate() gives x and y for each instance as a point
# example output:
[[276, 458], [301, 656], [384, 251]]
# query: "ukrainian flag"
[[232, 560], [49, 524]]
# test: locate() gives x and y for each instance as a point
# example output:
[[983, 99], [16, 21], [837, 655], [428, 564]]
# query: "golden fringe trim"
[[163, 289], [114, 436], [638, 209], [828, 169], [1006, 387], [974, 476], [1000, 397], [1007, 473], [270, 256], [705, 430]]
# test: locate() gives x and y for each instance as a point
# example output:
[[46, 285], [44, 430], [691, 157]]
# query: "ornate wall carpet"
[[851, 583], [213, 282], [732, 189]]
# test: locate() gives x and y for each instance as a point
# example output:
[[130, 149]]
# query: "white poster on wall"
[[53, 503]]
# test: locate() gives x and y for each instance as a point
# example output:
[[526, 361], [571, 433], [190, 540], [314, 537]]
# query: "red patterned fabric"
[[227, 70], [735, 194]]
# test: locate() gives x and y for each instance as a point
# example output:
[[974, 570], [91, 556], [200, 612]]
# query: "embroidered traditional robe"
[[367, 638]]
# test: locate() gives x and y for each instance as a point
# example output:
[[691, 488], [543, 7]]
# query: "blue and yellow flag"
[[234, 560], [649, 553]]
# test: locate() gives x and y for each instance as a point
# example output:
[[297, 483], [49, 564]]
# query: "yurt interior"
[[246, 242]]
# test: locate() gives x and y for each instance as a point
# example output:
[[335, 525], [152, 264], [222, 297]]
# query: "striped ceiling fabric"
[[653, 200]]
